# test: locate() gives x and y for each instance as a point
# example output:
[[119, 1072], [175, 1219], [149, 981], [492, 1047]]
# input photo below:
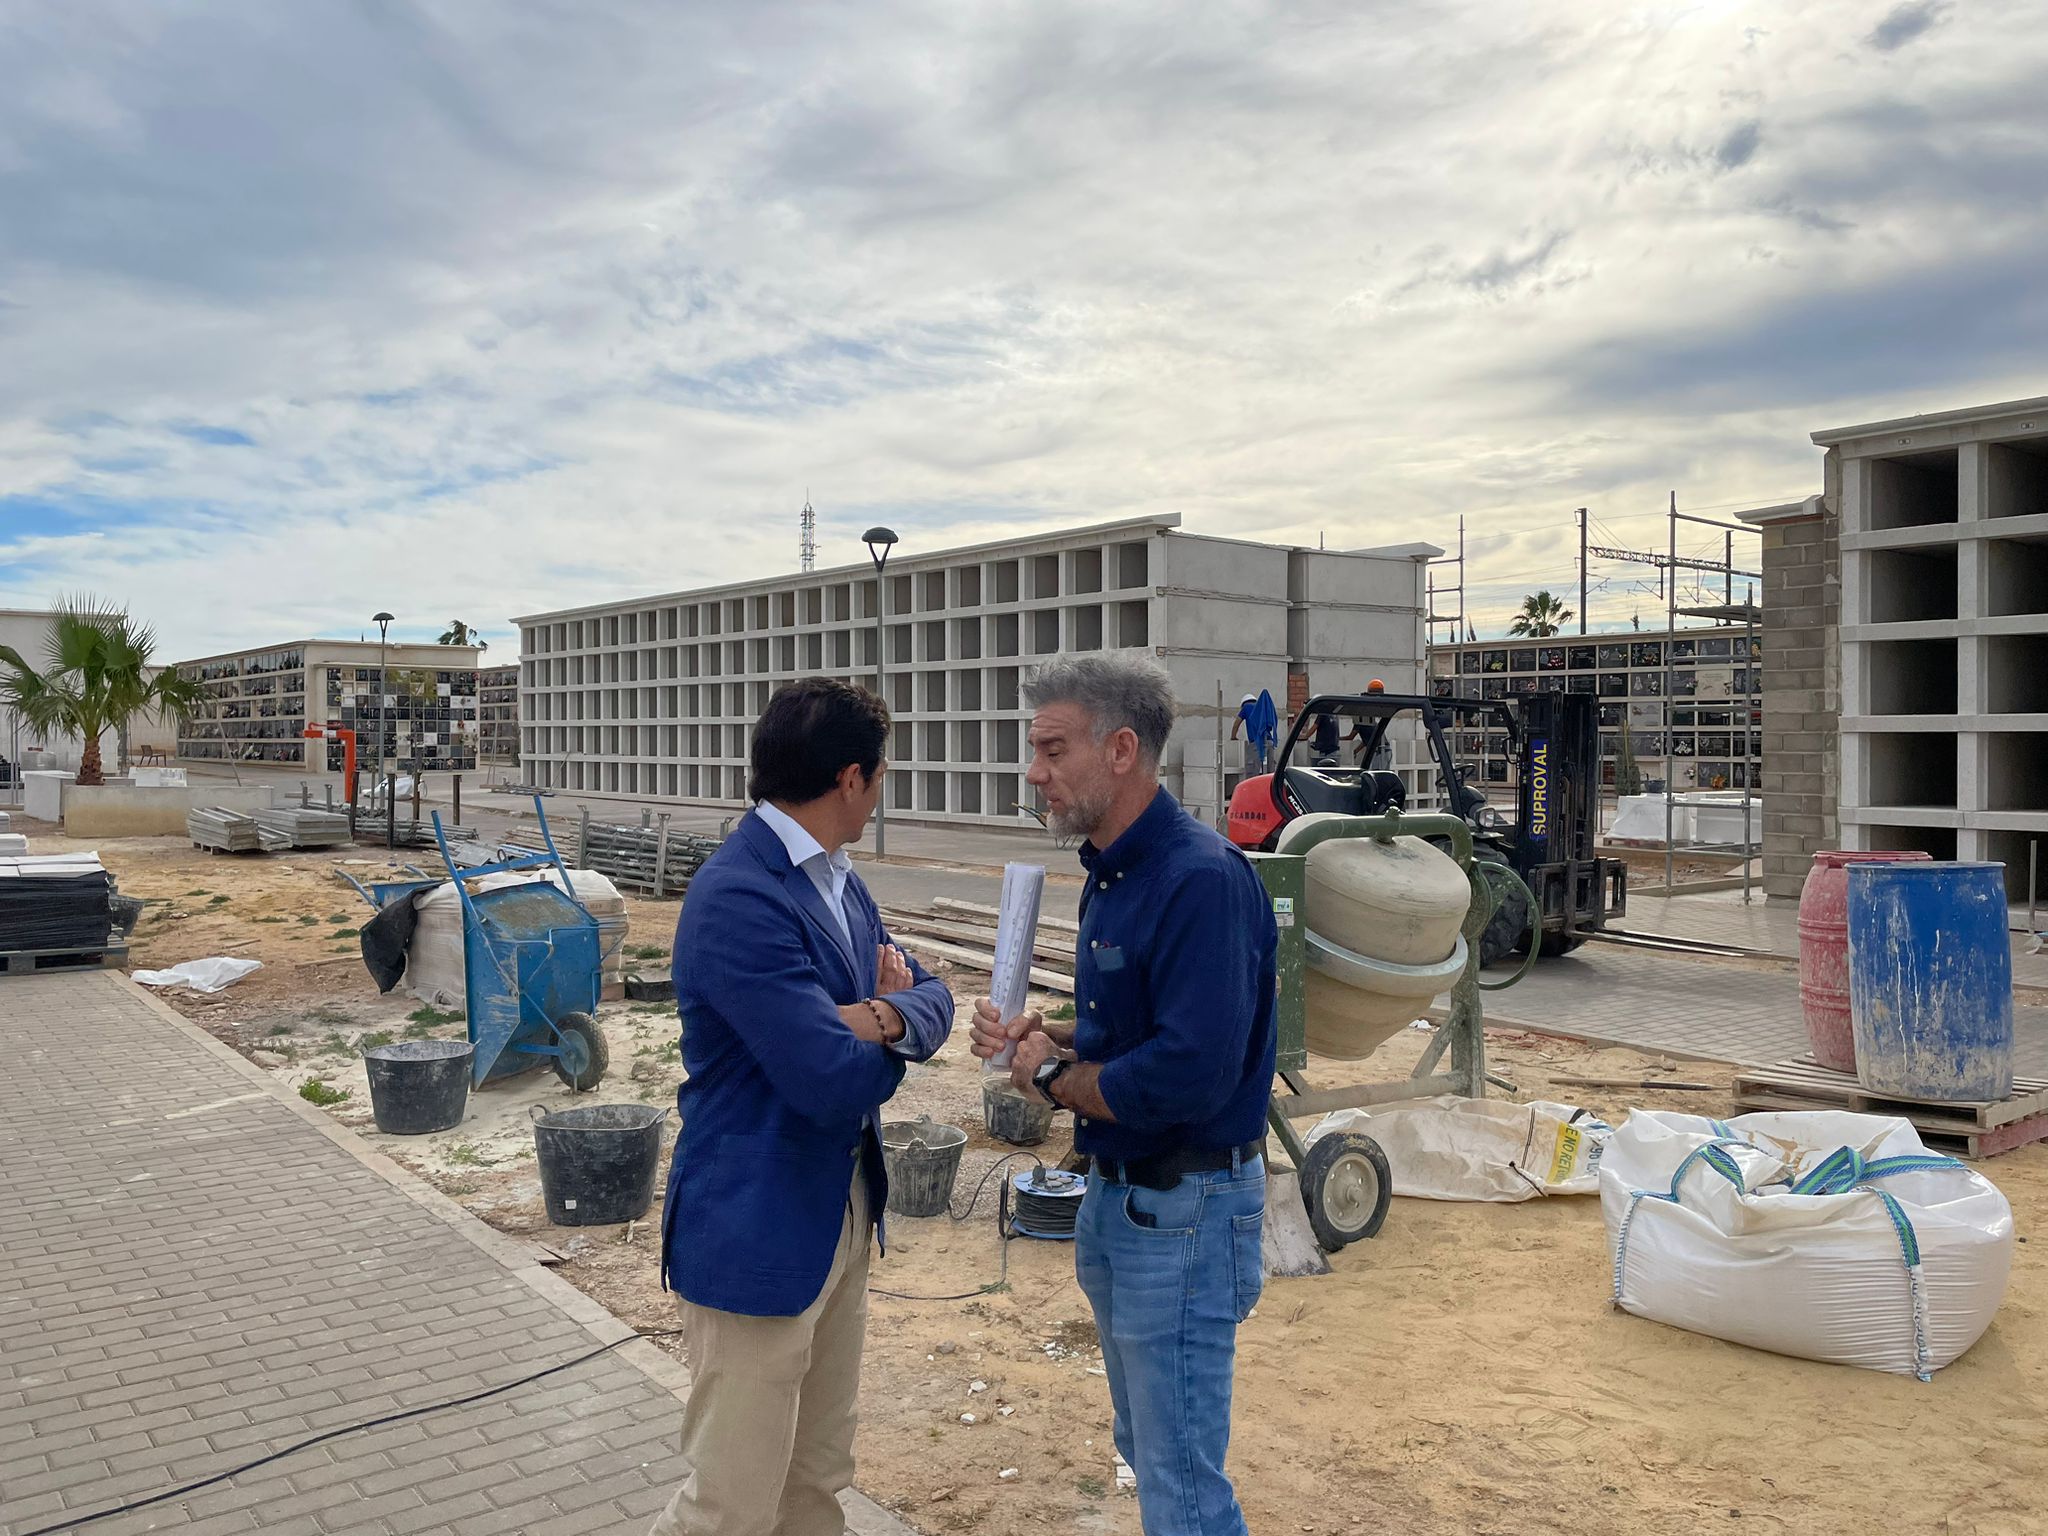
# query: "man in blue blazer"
[[798, 1016]]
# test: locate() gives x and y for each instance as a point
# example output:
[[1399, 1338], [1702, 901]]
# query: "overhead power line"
[[1668, 562]]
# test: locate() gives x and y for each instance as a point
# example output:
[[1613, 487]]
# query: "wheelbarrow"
[[532, 964]]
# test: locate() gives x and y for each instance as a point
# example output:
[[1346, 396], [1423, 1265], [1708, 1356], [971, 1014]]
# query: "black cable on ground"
[[335, 1434], [1002, 1231]]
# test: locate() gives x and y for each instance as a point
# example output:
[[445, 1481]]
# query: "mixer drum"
[[1383, 921]]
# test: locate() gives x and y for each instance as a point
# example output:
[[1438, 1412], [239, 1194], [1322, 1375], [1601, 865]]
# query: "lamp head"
[[879, 541]]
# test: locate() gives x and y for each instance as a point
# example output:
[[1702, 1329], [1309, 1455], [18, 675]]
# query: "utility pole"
[[1728, 580], [1582, 570]]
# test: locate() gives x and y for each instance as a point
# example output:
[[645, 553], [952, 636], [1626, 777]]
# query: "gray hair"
[[1117, 689]]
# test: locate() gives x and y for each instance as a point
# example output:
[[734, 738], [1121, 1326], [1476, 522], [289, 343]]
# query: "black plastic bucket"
[[597, 1162], [417, 1086]]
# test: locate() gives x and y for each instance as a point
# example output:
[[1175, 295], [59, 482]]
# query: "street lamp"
[[879, 542], [383, 623]]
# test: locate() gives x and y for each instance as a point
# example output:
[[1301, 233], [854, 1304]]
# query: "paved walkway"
[[196, 1269], [1772, 926], [1692, 1007]]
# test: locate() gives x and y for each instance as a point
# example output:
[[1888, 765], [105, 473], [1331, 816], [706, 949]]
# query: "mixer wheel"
[[1346, 1185]]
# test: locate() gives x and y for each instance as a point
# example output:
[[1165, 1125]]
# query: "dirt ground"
[[1461, 1372]]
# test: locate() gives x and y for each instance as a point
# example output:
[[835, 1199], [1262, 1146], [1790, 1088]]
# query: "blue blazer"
[[782, 1100]]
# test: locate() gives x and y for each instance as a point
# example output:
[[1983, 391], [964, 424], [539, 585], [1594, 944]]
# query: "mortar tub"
[[418, 1086], [597, 1161]]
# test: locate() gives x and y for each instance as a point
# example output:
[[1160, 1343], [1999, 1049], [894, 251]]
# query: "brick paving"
[[1772, 926], [195, 1269], [1694, 1007]]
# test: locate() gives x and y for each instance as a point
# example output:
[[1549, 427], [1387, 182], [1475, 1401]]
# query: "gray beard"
[[1081, 820]]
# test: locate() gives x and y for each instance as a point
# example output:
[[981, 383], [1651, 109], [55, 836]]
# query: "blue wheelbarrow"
[[532, 962], [533, 967]]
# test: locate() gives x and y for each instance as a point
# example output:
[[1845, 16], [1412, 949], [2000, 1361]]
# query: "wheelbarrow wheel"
[[1347, 1185], [585, 1058]]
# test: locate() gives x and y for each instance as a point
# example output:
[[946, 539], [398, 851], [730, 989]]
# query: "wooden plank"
[[971, 933], [983, 960], [1804, 1077], [979, 909]]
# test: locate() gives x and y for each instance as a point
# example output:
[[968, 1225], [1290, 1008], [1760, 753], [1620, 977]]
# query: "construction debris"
[[969, 940], [375, 830], [658, 860]]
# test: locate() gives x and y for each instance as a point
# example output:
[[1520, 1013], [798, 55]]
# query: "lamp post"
[[879, 542], [383, 623]]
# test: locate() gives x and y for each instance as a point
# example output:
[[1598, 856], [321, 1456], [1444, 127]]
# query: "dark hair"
[[809, 732]]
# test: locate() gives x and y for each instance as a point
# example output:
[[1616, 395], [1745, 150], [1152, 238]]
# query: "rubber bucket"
[[417, 1086], [597, 1162], [1930, 980], [1013, 1115], [922, 1159]]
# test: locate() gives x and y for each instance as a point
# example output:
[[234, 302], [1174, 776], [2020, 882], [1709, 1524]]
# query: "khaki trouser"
[[768, 1428]]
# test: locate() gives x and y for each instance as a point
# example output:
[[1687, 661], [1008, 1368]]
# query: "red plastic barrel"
[[1824, 952]]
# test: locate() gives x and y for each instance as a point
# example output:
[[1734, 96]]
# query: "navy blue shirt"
[[1175, 989]]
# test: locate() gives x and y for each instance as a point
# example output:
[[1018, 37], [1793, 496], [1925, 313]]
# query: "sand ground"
[[1461, 1372]]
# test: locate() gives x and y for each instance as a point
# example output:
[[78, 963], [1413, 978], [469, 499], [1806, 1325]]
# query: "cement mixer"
[[1376, 920]]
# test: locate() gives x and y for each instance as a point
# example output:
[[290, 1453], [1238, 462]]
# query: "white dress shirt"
[[829, 872]]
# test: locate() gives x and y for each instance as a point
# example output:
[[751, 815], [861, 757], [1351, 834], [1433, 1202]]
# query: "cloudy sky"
[[467, 310]]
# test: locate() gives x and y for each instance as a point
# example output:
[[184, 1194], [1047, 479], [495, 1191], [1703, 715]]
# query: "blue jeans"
[[1170, 1274]]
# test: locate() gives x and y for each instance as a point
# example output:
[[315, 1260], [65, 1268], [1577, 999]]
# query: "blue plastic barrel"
[[1930, 980]]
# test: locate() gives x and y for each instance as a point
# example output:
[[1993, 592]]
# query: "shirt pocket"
[[1114, 1003]]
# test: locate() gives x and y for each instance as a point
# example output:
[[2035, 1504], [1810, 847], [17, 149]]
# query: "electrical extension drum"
[[1047, 1203]]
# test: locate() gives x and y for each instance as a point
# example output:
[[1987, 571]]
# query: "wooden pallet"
[[1968, 1128], [28, 962]]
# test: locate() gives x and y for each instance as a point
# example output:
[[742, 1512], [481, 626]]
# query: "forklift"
[[1553, 738]]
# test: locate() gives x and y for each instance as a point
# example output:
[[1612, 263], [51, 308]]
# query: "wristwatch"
[[1047, 1071]]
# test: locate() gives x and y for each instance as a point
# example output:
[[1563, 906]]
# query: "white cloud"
[[528, 306]]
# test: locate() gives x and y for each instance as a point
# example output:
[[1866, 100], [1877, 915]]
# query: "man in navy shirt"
[[1167, 1068]]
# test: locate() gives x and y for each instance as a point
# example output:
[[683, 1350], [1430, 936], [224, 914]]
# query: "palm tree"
[[98, 674], [1541, 617], [459, 633]]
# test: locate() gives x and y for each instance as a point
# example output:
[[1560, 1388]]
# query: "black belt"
[[1163, 1170]]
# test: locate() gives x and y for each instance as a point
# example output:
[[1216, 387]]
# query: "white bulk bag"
[[1449, 1148], [1825, 1235]]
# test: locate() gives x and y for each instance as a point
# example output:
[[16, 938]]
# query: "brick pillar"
[[1801, 697]]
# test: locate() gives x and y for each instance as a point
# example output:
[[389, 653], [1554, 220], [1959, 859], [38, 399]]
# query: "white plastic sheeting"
[[1450, 1148], [209, 975], [1825, 1235]]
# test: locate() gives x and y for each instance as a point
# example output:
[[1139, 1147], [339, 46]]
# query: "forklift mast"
[[1557, 798]]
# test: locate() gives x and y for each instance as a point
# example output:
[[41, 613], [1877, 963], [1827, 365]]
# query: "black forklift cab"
[[1550, 838]]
